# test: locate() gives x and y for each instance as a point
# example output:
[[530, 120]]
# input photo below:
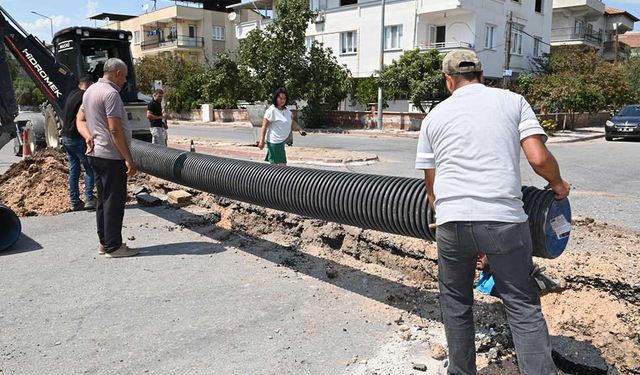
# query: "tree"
[[631, 71], [416, 75], [364, 91], [171, 70], [276, 55], [222, 83], [326, 85], [579, 81]]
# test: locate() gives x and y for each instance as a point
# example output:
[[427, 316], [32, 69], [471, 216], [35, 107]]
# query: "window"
[[308, 42], [516, 38], [578, 28], [539, 6], [348, 2], [218, 33], [349, 42], [437, 36], [192, 31], [536, 46], [173, 33], [393, 37], [489, 37], [136, 37], [318, 4]]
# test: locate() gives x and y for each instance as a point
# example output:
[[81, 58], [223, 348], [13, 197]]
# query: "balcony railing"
[[181, 41], [443, 46], [244, 28], [570, 34]]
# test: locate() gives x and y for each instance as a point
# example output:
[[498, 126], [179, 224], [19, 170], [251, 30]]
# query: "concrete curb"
[[259, 155], [588, 138]]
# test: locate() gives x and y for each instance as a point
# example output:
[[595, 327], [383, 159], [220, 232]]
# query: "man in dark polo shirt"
[[156, 117], [76, 149]]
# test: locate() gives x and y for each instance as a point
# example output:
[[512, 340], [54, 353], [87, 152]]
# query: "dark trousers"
[[508, 248], [111, 183]]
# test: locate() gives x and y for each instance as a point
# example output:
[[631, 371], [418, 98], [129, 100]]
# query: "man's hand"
[[90, 146], [131, 168], [561, 189], [261, 145]]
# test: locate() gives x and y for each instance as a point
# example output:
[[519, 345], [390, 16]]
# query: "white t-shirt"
[[280, 124], [472, 139]]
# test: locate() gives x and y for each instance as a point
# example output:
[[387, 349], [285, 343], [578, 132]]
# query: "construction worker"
[[469, 149], [102, 121], [76, 149], [157, 119]]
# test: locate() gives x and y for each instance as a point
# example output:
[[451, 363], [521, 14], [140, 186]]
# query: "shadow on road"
[[181, 248], [23, 245]]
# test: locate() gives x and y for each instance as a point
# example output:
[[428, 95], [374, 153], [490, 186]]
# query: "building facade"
[[194, 33]]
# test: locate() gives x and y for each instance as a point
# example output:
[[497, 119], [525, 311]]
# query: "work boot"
[[100, 249], [122, 252], [78, 206], [90, 205]]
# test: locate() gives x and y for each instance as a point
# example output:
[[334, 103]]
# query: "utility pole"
[[615, 26], [380, 93], [507, 50]]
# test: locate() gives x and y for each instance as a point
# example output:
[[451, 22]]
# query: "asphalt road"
[[605, 175]]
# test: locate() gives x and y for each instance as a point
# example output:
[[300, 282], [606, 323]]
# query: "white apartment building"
[[590, 23], [351, 28]]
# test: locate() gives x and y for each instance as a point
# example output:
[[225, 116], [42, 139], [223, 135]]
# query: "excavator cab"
[[84, 50]]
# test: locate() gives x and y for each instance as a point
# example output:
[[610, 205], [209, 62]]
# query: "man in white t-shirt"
[[469, 149]]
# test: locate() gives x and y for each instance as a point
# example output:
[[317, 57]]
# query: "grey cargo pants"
[[508, 248]]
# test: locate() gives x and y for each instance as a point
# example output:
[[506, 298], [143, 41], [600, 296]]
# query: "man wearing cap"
[[469, 149], [76, 148]]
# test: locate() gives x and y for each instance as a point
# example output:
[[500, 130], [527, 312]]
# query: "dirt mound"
[[38, 186]]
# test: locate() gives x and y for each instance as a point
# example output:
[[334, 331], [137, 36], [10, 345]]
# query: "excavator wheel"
[[52, 127]]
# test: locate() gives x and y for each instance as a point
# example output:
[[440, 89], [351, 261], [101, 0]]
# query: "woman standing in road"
[[276, 126]]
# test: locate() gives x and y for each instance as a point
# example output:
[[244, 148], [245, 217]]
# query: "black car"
[[625, 124]]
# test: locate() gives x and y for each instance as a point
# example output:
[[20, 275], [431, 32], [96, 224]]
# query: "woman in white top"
[[276, 126]]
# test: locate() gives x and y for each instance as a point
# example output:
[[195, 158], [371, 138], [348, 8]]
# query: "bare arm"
[[120, 141], [429, 180], [83, 129], [151, 116], [295, 126], [545, 165], [263, 133]]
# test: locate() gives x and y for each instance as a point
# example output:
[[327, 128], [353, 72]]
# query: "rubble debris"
[[147, 200], [438, 352], [577, 357], [179, 198], [419, 366]]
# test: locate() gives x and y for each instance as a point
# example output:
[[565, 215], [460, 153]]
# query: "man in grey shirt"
[[102, 121], [469, 149]]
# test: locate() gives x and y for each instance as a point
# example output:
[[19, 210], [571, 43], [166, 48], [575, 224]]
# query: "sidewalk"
[[569, 136], [295, 155]]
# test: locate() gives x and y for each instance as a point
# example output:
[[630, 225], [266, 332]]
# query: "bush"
[[549, 126], [26, 92], [314, 116]]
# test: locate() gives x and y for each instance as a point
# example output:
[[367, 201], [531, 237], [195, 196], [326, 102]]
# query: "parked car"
[[624, 124]]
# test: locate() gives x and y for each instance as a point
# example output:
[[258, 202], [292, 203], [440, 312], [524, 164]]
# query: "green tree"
[[579, 81], [276, 55], [416, 75], [27, 93], [222, 83], [631, 71], [365, 91], [171, 70]]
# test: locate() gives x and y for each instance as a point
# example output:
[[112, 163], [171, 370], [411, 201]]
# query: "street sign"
[[507, 73]]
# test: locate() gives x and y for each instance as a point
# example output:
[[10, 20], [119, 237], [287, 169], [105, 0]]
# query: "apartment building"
[[632, 41], [590, 23], [197, 33]]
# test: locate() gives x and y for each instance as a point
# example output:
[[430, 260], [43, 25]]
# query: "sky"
[[76, 12]]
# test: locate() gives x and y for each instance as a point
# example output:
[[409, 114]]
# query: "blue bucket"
[[10, 228]]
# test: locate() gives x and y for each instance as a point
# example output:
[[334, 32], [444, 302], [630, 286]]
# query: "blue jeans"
[[76, 149]]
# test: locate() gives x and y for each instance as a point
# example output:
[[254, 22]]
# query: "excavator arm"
[[54, 79]]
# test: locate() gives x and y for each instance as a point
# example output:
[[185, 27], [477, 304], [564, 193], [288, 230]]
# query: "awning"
[[255, 4]]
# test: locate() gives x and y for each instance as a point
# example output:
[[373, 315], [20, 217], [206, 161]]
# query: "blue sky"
[[75, 12]]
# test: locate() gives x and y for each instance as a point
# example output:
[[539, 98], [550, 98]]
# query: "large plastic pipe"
[[384, 203], [10, 228]]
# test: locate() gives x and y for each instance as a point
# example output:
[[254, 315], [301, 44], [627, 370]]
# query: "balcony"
[[444, 46], [571, 36], [181, 41], [433, 6], [243, 29], [588, 9]]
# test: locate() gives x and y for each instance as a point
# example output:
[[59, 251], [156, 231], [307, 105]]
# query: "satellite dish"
[[145, 7], [232, 16]]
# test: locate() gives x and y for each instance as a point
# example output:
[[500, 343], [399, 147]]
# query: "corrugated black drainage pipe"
[[388, 204], [10, 228]]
